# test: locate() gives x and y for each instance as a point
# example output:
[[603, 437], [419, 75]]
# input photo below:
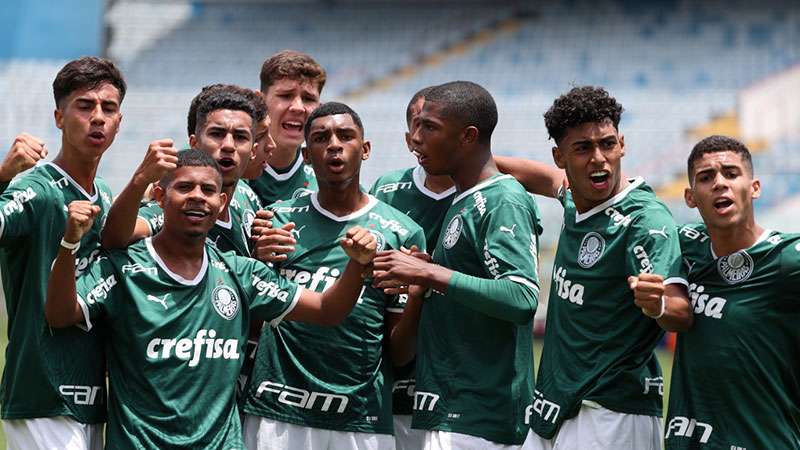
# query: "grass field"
[[665, 358]]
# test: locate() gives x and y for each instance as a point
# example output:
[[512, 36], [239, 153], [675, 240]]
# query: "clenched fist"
[[359, 244], [80, 217], [25, 152], [161, 158]]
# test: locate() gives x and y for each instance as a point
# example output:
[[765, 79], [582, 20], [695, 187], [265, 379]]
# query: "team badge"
[[591, 249], [380, 240], [301, 192], [736, 267], [247, 222], [453, 232], [225, 302]]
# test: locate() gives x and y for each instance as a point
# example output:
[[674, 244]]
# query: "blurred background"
[[682, 70]]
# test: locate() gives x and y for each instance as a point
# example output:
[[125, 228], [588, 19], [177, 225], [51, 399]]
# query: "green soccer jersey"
[[475, 372], [405, 190], [175, 346], [233, 235], [598, 345], [272, 186], [48, 372], [736, 377], [331, 377]]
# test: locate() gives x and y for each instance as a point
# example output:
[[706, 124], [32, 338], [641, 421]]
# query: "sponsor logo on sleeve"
[[18, 198], [388, 224], [101, 289], [480, 202], [644, 260]]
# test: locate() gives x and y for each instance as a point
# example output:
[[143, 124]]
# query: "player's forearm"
[[338, 301], [678, 315], [61, 308], [537, 177], [501, 299], [403, 336], [120, 224]]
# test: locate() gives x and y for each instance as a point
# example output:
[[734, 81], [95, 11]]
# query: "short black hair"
[[332, 109], [582, 104], [418, 95], [468, 103], [191, 158], [716, 144], [224, 96], [87, 72]]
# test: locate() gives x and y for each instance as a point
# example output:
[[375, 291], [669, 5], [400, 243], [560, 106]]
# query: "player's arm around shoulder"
[[656, 273], [537, 177]]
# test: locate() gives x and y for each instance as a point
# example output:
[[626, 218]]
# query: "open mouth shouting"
[[196, 214], [293, 127], [600, 179], [723, 205], [335, 165], [226, 164]]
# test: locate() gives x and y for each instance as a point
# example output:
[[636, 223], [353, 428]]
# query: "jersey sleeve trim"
[[2, 224], [276, 321], [676, 280], [87, 325], [524, 281]]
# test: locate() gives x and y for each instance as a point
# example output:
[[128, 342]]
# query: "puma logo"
[[296, 231], [509, 230], [161, 301], [662, 232]]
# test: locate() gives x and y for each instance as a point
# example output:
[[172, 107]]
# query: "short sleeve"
[[653, 246], [151, 213], [95, 288], [22, 205], [508, 244], [271, 297]]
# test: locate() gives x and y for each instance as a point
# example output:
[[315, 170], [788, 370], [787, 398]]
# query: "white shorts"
[[406, 437], [599, 428], [52, 433], [446, 440], [261, 433]]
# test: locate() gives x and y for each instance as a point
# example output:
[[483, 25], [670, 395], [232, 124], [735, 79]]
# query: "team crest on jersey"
[[225, 302], [453, 232], [736, 267], [301, 192], [591, 249], [380, 240]]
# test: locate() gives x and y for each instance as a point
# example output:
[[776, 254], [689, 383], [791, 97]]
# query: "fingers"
[[265, 214]]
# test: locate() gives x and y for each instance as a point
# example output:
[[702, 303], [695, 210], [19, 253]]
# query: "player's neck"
[[182, 254], [473, 172], [225, 215], [83, 171], [582, 204], [438, 183], [282, 158], [344, 201], [725, 241]]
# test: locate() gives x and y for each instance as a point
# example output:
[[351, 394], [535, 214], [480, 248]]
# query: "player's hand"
[[80, 217], [274, 244], [394, 269], [262, 221], [25, 152], [160, 159], [648, 288], [404, 288], [360, 245]]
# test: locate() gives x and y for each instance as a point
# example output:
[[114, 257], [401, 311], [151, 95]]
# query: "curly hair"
[[716, 144], [257, 110], [581, 104]]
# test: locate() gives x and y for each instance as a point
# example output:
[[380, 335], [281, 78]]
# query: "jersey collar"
[[480, 186], [193, 282], [298, 163], [419, 176], [91, 198], [370, 204], [634, 183], [760, 239]]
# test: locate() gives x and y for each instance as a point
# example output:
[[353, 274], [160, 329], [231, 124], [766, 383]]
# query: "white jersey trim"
[[760, 239], [634, 183], [2, 224], [480, 186], [418, 175], [370, 204], [85, 309], [676, 280], [525, 282], [276, 321], [285, 176], [227, 225], [193, 282], [92, 198]]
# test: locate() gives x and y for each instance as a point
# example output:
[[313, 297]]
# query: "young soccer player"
[[599, 384], [291, 83], [425, 199], [53, 391], [735, 377], [297, 398], [474, 353], [177, 312], [224, 126]]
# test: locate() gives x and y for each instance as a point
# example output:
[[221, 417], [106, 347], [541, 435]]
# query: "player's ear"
[[756, 188], [59, 116], [408, 141], [192, 141], [469, 135], [223, 199], [253, 151], [688, 197], [558, 158], [622, 143], [366, 148], [158, 194]]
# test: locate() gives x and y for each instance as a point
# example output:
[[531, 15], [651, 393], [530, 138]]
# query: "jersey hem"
[[46, 415], [312, 424], [497, 437], [626, 410]]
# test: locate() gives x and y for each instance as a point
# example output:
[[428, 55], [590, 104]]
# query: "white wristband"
[[71, 246], [663, 309]]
